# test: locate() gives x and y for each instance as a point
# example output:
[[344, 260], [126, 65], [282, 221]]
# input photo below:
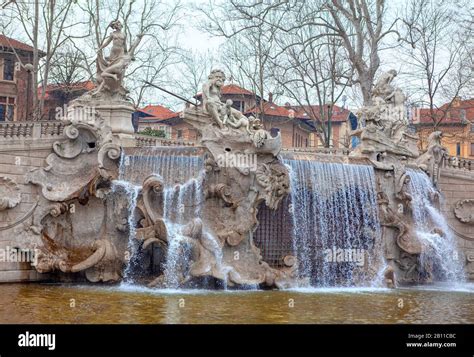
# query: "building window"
[[239, 105], [472, 128], [274, 132], [7, 108], [458, 149], [179, 134], [472, 149], [8, 69]]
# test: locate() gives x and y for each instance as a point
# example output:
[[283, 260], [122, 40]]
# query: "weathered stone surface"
[[10, 195], [464, 211]]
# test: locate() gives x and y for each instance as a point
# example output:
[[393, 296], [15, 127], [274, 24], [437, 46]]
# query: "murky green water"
[[36, 303]]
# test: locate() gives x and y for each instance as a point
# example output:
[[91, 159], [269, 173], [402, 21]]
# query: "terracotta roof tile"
[[87, 85], [17, 45], [299, 112], [462, 110], [235, 89], [158, 112], [230, 89]]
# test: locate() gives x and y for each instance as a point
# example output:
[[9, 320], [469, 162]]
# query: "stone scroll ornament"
[[10, 195], [464, 211], [74, 182]]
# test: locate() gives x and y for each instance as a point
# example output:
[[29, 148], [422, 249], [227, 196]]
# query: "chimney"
[[270, 97]]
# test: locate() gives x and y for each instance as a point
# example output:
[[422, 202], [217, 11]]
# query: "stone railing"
[[146, 140], [30, 129], [323, 151], [454, 162]]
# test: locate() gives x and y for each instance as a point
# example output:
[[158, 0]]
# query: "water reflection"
[[43, 303]]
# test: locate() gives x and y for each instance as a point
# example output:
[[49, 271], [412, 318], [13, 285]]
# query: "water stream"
[[440, 254], [182, 175], [336, 230]]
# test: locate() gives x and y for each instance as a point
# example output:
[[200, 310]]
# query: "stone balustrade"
[[30, 129], [145, 140], [319, 150], [454, 162]]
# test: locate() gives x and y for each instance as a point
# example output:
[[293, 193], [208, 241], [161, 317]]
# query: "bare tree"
[[67, 67], [51, 24], [313, 73], [436, 53], [46, 24], [362, 26], [194, 67], [250, 43]]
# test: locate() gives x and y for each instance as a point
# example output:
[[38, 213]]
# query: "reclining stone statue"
[[111, 69], [386, 122]]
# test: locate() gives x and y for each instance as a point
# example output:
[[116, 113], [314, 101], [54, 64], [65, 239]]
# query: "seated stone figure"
[[235, 118], [386, 121], [111, 69], [222, 113], [211, 96]]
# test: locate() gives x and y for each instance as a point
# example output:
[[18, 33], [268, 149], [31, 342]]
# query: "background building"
[[16, 91], [58, 95], [455, 121], [295, 125]]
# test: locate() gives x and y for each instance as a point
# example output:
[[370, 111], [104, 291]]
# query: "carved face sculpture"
[[217, 77], [116, 25], [435, 138]]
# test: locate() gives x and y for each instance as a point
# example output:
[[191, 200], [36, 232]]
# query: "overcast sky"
[[190, 38]]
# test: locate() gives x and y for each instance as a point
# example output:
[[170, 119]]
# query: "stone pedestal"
[[118, 117], [117, 114]]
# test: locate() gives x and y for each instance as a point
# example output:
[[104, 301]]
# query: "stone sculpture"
[[223, 114], [233, 193], [110, 98], [464, 211], [10, 195], [111, 69], [77, 174], [385, 133], [431, 159]]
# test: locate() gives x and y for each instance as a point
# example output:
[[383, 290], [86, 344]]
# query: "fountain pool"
[[86, 304]]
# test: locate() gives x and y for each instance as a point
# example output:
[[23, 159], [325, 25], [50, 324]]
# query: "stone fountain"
[[91, 222]]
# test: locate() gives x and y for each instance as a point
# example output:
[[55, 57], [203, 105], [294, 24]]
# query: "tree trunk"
[[34, 86]]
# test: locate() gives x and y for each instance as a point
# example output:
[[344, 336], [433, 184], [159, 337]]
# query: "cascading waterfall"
[[174, 165], [336, 230], [440, 254], [131, 191], [121, 186], [182, 175], [182, 203]]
